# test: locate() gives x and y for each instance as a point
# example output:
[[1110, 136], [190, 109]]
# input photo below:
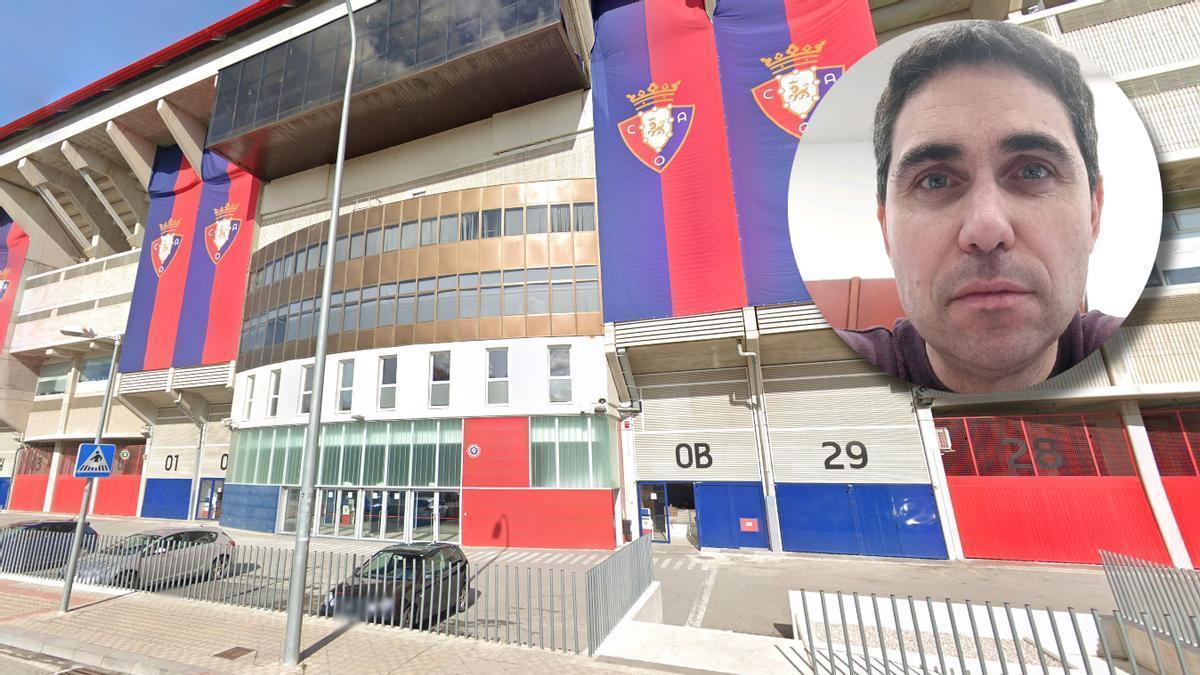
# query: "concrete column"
[[941, 487], [187, 131], [629, 478], [55, 460], [1143, 455], [137, 152]]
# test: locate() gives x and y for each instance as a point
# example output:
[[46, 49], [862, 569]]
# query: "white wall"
[[528, 391]]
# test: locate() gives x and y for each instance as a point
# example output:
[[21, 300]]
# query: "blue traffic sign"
[[94, 461]]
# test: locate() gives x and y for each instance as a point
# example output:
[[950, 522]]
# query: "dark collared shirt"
[[901, 351]]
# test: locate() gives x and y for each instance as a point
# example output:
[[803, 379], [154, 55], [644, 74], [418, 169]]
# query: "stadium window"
[[585, 217], [273, 394], [53, 378], [306, 374], [408, 235], [439, 379], [387, 383], [449, 229], [560, 373], [429, 231], [560, 217], [470, 226], [497, 376], [514, 222], [536, 220], [345, 385], [391, 238], [491, 223], [374, 238]]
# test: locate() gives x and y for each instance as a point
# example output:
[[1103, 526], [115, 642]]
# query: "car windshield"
[[389, 565], [130, 545]]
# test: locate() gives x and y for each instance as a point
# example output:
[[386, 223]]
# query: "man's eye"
[[934, 181], [1033, 171]]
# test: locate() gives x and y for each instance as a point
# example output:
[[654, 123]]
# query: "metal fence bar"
[[613, 586], [1146, 593]]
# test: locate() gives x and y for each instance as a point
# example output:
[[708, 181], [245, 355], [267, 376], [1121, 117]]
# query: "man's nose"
[[986, 225]]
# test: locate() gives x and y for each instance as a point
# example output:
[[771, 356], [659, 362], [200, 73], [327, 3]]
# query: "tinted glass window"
[[491, 223], [536, 220], [449, 229], [513, 222], [374, 238], [391, 237], [470, 226], [585, 217]]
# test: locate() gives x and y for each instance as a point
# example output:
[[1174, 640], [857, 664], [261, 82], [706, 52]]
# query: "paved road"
[[743, 592]]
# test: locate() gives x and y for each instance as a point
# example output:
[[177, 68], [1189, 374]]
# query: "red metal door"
[[1049, 488], [1175, 437]]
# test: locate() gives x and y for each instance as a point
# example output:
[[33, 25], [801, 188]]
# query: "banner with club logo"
[[668, 234], [777, 59], [14, 243], [191, 281]]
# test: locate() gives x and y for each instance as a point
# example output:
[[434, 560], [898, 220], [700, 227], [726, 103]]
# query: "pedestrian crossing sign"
[[94, 460]]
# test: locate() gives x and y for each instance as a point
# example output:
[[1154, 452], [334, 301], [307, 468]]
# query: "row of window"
[[395, 38], [55, 375], [426, 232], [555, 290], [568, 451], [496, 382]]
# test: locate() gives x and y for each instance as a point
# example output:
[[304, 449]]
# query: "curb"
[[90, 654]]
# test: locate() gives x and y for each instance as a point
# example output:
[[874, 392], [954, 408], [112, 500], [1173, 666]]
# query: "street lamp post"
[[77, 541], [308, 466]]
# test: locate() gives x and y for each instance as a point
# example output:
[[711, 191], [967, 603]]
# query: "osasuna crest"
[[655, 134], [219, 236], [4, 273], [789, 98], [164, 248]]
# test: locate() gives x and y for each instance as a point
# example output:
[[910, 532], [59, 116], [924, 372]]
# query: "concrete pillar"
[[1143, 455], [941, 487], [49, 243], [41, 176], [137, 152], [629, 477], [187, 131], [55, 460]]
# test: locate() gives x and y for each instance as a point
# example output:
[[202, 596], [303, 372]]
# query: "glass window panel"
[[291, 94], [560, 390], [514, 300], [426, 284], [536, 221], [491, 223], [563, 300], [295, 441], [1188, 275], [470, 226], [350, 317], [560, 217], [449, 468], [468, 280], [513, 222], [497, 392], [440, 366], [537, 274], [358, 244], [542, 437], [447, 305], [367, 315], [497, 363], [404, 310], [468, 304], [429, 231], [374, 238], [228, 82], [279, 448], [331, 453], [574, 439], [587, 272], [449, 229], [603, 433], [95, 370], [53, 378], [425, 307], [408, 235], [439, 394], [286, 269], [387, 310], [489, 301], [514, 276], [341, 248], [314, 257], [352, 451], [538, 299], [391, 238], [425, 441], [399, 441], [585, 217], [562, 273], [560, 361], [375, 457], [447, 282], [243, 114], [587, 296]]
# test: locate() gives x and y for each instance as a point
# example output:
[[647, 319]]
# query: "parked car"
[[159, 557], [39, 544], [405, 584]]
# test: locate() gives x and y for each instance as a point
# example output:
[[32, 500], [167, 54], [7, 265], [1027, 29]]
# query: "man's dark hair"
[[982, 42]]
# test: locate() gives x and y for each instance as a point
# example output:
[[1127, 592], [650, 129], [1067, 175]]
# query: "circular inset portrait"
[[974, 208]]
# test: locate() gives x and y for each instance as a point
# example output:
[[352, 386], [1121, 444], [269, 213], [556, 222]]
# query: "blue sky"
[[53, 47]]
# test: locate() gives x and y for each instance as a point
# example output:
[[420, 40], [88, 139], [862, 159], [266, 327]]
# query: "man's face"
[[988, 219]]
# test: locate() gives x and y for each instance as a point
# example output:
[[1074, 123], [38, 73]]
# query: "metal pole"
[[308, 466], [77, 541]]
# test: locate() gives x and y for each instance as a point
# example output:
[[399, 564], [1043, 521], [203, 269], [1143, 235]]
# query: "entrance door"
[[395, 517], [327, 522], [731, 515], [347, 513], [208, 498], [373, 505], [652, 502], [424, 510]]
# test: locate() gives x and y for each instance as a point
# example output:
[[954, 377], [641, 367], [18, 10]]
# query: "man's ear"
[[1097, 204], [881, 216]]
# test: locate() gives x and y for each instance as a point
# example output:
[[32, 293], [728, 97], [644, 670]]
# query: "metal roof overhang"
[[525, 69]]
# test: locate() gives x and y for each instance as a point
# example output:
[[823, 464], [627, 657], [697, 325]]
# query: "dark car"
[[406, 584], [40, 544]]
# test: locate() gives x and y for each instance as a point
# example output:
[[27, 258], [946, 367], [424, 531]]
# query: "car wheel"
[[128, 579], [220, 567]]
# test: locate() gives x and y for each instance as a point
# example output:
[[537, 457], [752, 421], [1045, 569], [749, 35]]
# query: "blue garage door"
[[862, 519], [731, 515]]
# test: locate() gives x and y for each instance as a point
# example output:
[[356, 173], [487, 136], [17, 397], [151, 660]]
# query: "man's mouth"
[[992, 294]]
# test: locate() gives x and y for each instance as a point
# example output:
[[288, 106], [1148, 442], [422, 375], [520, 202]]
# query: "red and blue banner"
[[14, 243], [777, 59], [696, 126], [191, 280], [669, 239]]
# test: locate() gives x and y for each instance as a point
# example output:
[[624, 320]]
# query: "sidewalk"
[[149, 633]]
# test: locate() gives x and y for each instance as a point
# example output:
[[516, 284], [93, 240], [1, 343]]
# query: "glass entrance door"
[[373, 506], [395, 519], [424, 512], [208, 498], [327, 522], [348, 513], [652, 503]]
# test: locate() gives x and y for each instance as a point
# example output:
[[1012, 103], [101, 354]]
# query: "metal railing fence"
[[613, 586], [1162, 598], [507, 603], [847, 633]]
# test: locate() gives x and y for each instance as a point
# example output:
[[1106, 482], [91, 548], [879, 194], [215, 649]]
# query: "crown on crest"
[[794, 58], [227, 211], [654, 95], [4, 274], [172, 226]]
